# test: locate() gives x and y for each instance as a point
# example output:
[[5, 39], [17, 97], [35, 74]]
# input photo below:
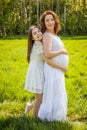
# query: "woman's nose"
[[50, 22]]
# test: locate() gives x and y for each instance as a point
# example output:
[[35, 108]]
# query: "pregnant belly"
[[61, 59]]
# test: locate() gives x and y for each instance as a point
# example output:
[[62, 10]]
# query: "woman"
[[54, 103]]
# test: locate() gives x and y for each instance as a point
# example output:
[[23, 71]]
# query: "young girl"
[[35, 75]]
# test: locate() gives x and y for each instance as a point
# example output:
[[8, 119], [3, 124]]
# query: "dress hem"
[[33, 91]]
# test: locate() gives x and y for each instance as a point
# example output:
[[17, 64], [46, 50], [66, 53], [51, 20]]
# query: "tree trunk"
[[37, 12], [29, 13], [25, 16], [65, 16], [52, 5], [57, 7]]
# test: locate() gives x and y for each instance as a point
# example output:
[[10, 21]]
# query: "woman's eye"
[[47, 20], [52, 19]]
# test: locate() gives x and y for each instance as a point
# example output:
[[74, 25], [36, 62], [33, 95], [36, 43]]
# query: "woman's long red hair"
[[57, 27]]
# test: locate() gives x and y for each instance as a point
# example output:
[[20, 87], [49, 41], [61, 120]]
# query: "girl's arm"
[[54, 64], [47, 47]]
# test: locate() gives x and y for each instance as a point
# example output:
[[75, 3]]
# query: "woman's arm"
[[54, 64], [47, 47]]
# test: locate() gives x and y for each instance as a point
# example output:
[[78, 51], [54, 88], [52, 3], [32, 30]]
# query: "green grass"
[[13, 97]]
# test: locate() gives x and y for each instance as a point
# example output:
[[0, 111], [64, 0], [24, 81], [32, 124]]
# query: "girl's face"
[[49, 22], [36, 34]]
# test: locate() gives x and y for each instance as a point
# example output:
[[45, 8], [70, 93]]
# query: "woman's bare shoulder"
[[46, 36]]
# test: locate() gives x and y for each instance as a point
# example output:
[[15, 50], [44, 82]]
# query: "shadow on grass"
[[82, 119], [74, 37], [20, 37], [29, 123], [14, 37]]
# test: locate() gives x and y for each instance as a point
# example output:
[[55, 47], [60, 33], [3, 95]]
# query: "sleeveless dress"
[[35, 77], [54, 103]]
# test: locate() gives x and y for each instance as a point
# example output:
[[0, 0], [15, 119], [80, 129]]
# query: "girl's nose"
[[39, 33]]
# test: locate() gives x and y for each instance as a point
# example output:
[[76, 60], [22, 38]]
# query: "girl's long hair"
[[57, 27], [30, 42]]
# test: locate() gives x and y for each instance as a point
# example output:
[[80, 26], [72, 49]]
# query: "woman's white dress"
[[35, 77], [54, 104]]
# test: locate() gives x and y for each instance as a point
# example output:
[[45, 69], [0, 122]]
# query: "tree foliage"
[[17, 15]]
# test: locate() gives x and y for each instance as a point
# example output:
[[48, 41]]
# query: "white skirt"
[[54, 104], [35, 77]]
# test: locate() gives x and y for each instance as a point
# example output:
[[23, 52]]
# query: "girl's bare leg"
[[37, 104], [29, 107]]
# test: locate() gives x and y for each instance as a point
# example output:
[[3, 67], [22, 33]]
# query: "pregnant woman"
[[54, 103]]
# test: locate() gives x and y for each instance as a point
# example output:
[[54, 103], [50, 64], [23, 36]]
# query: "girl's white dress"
[[54, 104], [35, 78]]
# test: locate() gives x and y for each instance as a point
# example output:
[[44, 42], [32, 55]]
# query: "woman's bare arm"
[[54, 64], [47, 47]]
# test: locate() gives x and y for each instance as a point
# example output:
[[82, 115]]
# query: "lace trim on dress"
[[39, 47]]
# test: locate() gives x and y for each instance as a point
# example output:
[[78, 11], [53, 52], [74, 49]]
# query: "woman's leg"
[[37, 104]]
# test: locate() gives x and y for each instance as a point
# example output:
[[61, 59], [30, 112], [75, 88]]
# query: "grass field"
[[13, 97]]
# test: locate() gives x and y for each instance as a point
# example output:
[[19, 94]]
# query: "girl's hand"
[[63, 51]]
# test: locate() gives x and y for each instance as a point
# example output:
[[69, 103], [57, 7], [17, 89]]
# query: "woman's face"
[[36, 34], [49, 22]]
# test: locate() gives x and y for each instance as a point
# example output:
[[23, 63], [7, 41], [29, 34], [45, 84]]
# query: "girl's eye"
[[35, 33]]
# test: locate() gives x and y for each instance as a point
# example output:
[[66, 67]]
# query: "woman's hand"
[[63, 51], [63, 68]]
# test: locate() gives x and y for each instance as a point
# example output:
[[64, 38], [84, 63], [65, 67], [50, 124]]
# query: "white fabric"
[[54, 104], [61, 59], [35, 78]]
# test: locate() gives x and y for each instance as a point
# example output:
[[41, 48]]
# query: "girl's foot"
[[27, 109]]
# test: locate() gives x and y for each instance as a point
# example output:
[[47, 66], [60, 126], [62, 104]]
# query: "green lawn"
[[13, 97]]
